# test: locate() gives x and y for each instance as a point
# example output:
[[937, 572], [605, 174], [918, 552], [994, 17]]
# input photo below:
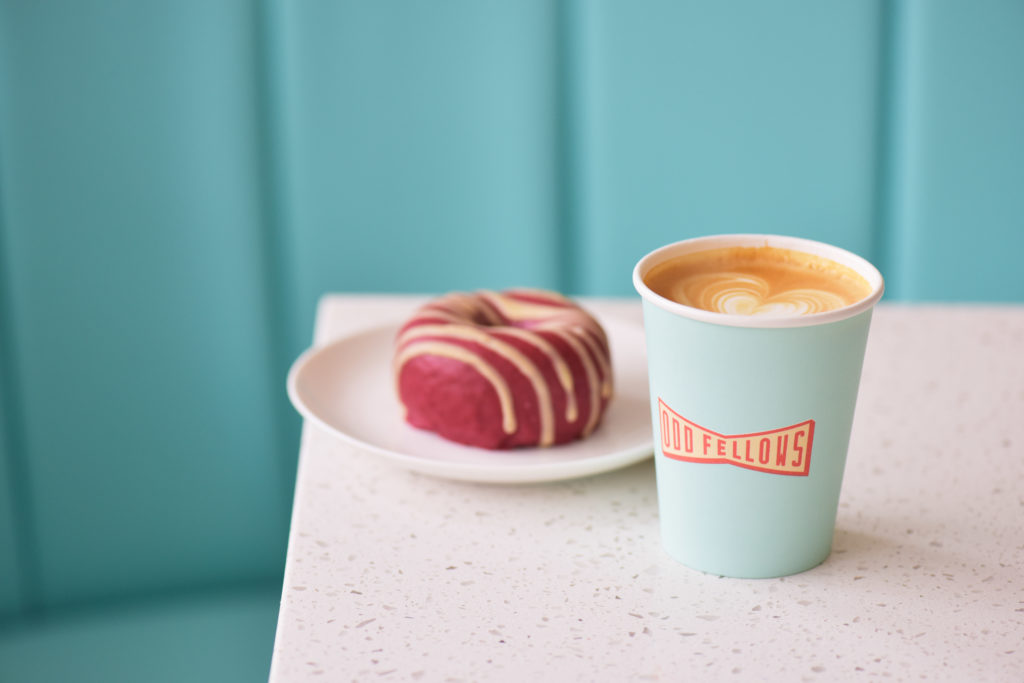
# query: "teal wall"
[[180, 181]]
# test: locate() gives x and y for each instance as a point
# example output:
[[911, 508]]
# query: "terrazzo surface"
[[393, 575]]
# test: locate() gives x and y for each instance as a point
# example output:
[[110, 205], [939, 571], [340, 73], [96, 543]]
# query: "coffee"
[[768, 281]]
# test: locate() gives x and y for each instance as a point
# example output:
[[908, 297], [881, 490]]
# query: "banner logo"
[[786, 450]]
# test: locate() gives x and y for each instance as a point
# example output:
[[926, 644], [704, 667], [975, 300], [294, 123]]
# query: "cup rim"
[[847, 258]]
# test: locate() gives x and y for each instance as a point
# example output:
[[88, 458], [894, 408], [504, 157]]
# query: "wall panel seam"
[[890, 179], [278, 282], [27, 560], [570, 137]]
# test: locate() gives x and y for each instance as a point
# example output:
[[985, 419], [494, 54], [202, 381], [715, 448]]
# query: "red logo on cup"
[[786, 450]]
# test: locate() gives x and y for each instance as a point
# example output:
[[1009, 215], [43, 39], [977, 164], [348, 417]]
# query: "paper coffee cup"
[[752, 418]]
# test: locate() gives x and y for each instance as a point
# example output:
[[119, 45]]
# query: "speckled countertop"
[[393, 575]]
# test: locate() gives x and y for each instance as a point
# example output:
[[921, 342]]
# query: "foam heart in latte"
[[768, 281]]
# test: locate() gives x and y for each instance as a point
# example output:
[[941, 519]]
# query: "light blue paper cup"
[[752, 419]]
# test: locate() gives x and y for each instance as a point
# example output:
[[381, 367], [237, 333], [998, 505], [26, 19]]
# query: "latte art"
[[762, 281], [744, 294]]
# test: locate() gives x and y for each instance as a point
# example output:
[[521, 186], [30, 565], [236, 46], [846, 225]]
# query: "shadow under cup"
[[752, 419]]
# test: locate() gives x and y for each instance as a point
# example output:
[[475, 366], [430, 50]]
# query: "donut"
[[501, 370]]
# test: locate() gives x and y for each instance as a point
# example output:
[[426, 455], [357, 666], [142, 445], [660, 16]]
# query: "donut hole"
[[481, 319]]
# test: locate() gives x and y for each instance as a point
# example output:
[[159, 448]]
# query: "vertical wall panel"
[[420, 146], [704, 117], [957, 221], [132, 219]]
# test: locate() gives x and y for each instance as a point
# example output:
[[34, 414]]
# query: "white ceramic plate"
[[347, 389]]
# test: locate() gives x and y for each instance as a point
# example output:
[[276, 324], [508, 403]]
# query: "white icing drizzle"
[[562, 370], [591, 372], [510, 353], [454, 316], [455, 352], [602, 360]]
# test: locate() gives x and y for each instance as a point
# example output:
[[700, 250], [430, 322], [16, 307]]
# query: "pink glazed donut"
[[495, 370]]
